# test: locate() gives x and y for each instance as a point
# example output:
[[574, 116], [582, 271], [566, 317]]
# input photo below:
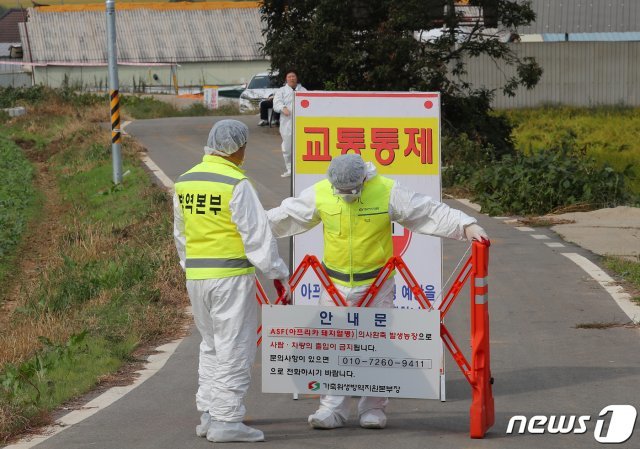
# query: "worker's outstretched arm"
[[253, 226], [295, 215], [424, 215]]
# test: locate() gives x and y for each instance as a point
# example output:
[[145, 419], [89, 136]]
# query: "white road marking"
[[524, 229], [157, 171], [123, 126], [554, 244], [164, 179], [540, 236], [502, 218], [622, 298]]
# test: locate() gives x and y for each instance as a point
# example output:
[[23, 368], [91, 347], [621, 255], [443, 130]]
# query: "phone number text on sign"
[[382, 362], [349, 350]]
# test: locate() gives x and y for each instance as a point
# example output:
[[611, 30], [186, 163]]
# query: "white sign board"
[[351, 351], [399, 132], [210, 98]]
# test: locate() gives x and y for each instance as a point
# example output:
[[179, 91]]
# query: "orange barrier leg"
[[262, 298], [482, 413], [413, 285], [373, 290], [328, 285]]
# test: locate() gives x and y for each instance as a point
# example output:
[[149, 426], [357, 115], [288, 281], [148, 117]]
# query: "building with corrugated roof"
[[11, 71], [588, 50], [9, 33], [195, 44]]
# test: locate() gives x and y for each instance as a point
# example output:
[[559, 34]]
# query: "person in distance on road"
[[283, 105]]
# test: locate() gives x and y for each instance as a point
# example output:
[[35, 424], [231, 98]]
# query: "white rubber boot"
[[373, 419], [203, 427], [225, 432], [325, 419]]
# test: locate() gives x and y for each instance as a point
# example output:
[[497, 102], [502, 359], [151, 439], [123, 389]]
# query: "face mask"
[[349, 197]]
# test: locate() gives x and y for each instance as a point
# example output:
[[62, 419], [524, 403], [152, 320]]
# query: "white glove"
[[282, 287], [475, 232]]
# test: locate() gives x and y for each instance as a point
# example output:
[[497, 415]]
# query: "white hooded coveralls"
[[284, 98], [225, 310], [415, 211]]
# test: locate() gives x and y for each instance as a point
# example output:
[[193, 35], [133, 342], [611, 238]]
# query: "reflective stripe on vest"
[[211, 177], [217, 263], [357, 236], [214, 247], [344, 277]]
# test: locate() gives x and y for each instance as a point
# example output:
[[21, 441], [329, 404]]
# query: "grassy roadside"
[[96, 276], [18, 201], [628, 270], [145, 107]]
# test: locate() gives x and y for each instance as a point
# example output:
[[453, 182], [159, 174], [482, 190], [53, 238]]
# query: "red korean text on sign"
[[385, 140], [420, 143], [351, 139], [317, 150]]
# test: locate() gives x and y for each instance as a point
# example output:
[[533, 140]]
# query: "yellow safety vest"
[[214, 247], [357, 236]]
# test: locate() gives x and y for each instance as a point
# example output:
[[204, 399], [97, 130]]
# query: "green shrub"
[[12, 96], [9, 96], [462, 157], [17, 198], [146, 107], [543, 181], [473, 116]]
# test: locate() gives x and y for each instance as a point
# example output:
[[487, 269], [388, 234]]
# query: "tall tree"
[[391, 45]]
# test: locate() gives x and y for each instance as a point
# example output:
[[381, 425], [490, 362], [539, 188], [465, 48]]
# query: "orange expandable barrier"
[[478, 372]]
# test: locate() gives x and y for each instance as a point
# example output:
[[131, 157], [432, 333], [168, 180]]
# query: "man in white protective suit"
[[356, 207], [283, 104], [222, 234]]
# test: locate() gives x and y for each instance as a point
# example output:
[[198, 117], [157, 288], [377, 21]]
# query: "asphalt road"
[[541, 363]]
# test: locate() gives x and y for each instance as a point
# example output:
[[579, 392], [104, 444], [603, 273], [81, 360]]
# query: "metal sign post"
[[114, 94]]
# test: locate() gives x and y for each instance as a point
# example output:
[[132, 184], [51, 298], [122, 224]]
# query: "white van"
[[262, 86]]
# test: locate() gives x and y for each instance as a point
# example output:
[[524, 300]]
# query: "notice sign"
[[399, 133], [210, 98], [351, 351]]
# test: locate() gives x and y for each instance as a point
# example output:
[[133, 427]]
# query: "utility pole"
[[114, 93]]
